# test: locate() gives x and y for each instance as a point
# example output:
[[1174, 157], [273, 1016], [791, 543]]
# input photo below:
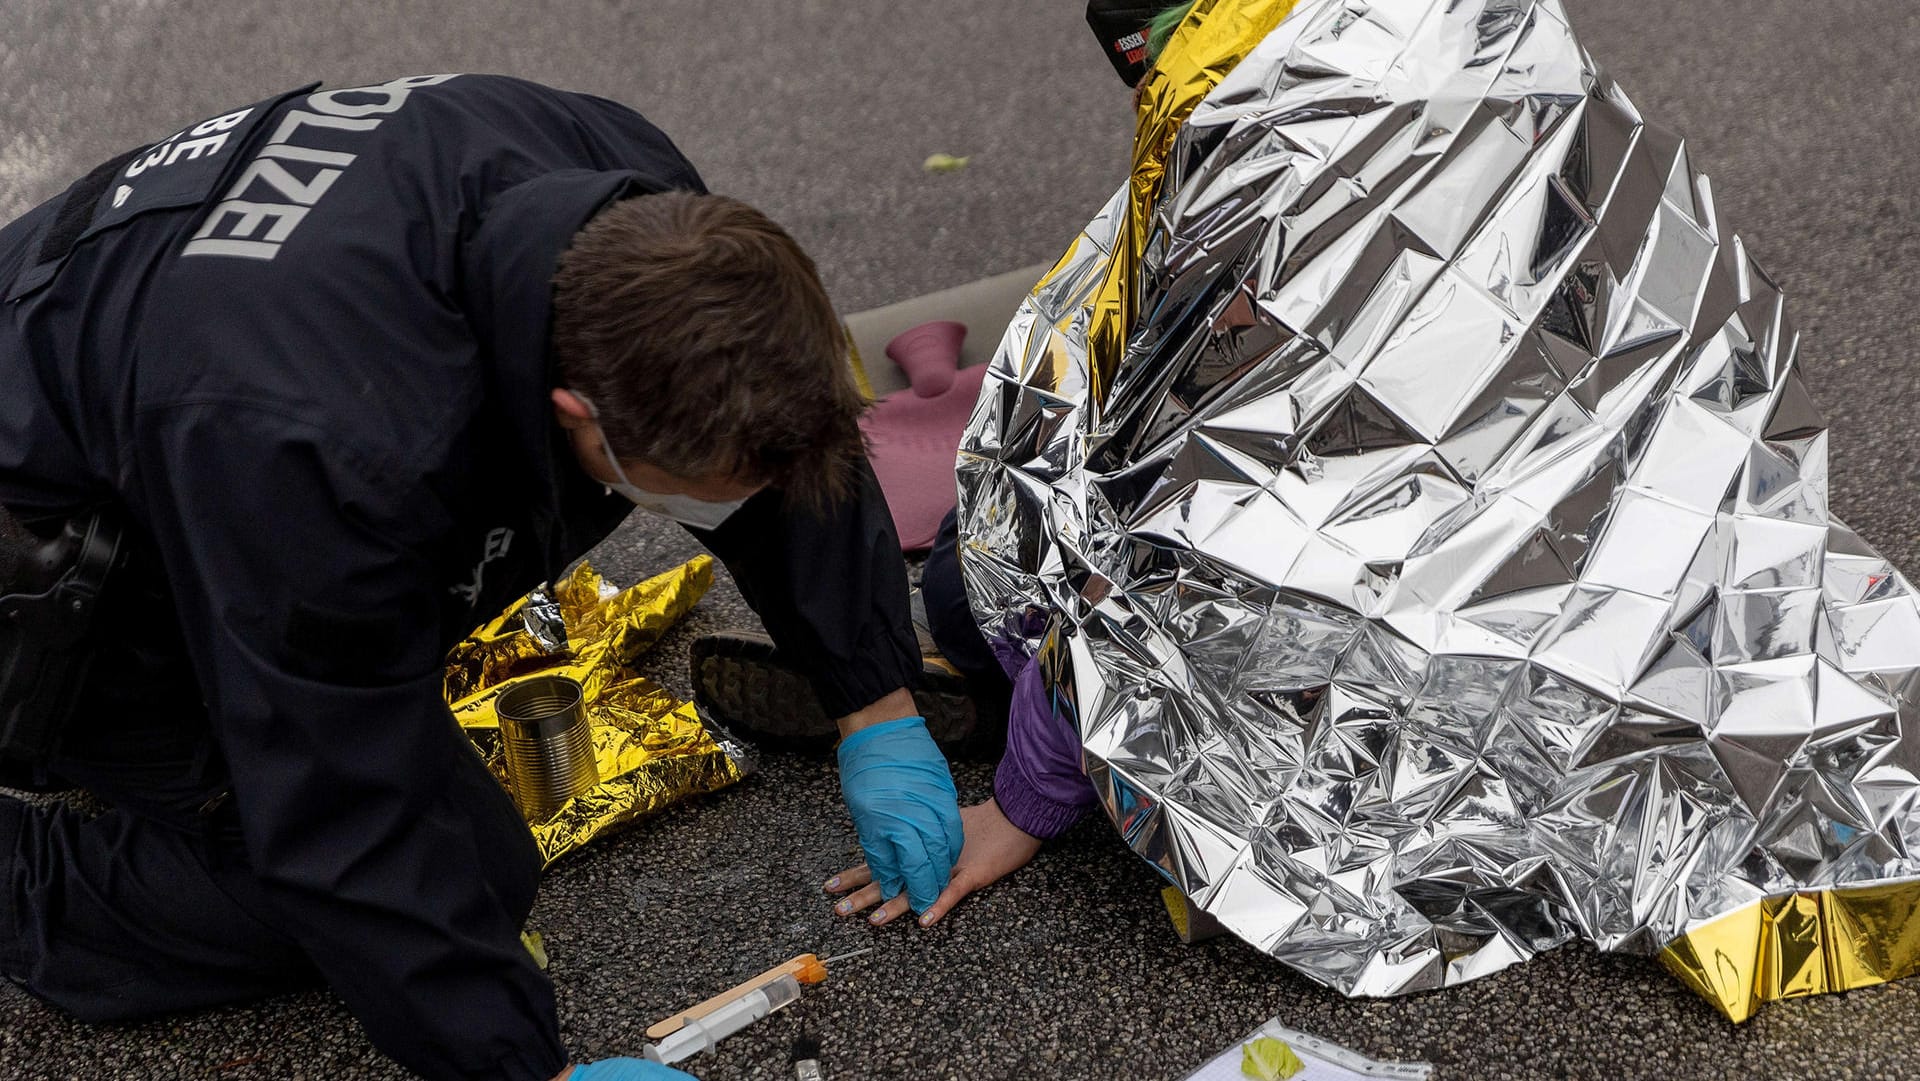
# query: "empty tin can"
[[549, 745]]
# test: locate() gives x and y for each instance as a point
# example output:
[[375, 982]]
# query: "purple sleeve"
[[1040, 786]]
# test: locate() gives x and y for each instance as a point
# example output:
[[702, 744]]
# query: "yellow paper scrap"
[[945, 163], [1268, 1059], [536, 946]]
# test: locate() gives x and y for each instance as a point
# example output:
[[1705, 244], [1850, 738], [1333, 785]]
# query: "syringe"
[[698, 1029], [703, 1033]]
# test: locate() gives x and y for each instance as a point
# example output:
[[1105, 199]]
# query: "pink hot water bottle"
[[915, 434]]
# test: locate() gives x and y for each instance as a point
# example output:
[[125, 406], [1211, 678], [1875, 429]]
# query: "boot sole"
[[744, 684]]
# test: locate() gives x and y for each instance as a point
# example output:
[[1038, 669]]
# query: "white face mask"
[[688, 511]]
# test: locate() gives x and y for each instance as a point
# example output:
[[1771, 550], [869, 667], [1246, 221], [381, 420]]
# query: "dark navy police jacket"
[[304, 345]]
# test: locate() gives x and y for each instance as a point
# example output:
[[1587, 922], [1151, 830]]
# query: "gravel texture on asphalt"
[[821, 112]]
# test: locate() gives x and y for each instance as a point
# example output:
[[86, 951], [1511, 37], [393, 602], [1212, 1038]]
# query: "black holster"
[[48, 601]]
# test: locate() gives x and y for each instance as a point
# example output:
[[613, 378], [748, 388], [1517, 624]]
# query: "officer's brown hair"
[[702, 334]]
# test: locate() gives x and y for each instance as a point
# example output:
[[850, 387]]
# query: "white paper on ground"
[[1324, 1061]]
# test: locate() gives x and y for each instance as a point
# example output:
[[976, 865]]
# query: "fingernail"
[[927, 920], [833, 883], [877, 917], [843, 907]]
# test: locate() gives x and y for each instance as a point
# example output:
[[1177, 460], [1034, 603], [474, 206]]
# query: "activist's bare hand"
[[994, 849]]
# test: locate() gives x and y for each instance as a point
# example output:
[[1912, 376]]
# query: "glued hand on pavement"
[[904, 808], [994, 849]]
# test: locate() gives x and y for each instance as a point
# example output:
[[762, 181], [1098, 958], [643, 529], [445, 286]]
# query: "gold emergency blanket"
[[650, 747]]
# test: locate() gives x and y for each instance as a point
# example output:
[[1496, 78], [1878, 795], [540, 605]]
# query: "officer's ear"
[[571, 411]]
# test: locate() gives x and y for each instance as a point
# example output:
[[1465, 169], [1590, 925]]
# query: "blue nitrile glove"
[[628, 1069], [904, 807]]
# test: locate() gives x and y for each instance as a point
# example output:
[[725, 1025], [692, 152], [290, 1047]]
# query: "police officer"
[[289, 402]]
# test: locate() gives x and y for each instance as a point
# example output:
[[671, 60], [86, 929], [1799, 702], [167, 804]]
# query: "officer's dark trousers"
[[125, 916], [151, 907]]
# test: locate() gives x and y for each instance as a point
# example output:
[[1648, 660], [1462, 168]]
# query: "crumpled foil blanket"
[[652, 748], [1408, 483]]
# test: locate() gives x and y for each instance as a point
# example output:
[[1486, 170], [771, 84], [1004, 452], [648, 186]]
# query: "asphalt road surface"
[[821, 111]]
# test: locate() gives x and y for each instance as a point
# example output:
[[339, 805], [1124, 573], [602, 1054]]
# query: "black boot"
[[741, 681]]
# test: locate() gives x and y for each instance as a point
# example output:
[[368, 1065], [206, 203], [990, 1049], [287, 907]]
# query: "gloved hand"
[[627, 1069], [904, 807]]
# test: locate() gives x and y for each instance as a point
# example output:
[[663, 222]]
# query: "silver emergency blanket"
[[1444, 569]]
